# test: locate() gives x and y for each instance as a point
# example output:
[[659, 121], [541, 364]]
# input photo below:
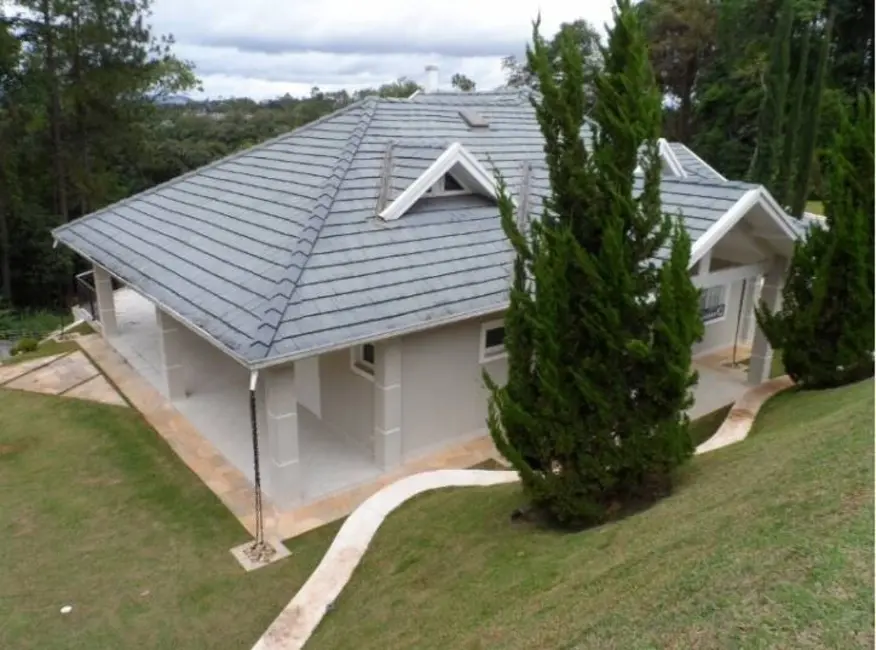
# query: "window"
[[447, 185], [362, 360], [451, 184], [492, 341], [713, 304]]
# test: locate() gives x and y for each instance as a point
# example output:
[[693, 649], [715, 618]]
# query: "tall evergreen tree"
[[825, 326], [784, 181], [771, 120], [810, 130], [598, 333]]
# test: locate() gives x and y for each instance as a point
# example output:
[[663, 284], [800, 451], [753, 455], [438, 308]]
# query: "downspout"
[[258, 551], [738, 321]]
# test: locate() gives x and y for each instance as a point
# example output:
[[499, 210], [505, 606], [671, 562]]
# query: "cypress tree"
[[598, 333], [784, 180], [825, 327], [810, 131], [771, 120]]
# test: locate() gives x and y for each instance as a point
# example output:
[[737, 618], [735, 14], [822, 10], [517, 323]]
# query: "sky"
[[266, 48]]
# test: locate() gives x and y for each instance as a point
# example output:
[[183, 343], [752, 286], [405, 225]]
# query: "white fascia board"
[[454, 155], [778, 214], [731, 275], [723, 225], [669, 156]]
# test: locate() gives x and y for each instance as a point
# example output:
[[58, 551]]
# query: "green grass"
[[816, 207], [766, 544], [82, 328], [31, 323], [705, 426], [44, 350], [97, 512]]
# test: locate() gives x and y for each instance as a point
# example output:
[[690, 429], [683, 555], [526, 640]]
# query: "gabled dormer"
[[455, 172]]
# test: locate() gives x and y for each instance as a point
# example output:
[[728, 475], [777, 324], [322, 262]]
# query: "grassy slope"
[[97, 512], [768, 543]]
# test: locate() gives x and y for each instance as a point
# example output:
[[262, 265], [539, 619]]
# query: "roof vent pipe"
[[431, 78]]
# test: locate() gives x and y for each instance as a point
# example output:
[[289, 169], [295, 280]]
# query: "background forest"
[[93, 107]]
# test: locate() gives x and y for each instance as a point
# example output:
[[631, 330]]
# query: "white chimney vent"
[[431, 78]]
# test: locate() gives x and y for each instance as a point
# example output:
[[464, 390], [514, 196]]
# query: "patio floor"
[[720, 384]]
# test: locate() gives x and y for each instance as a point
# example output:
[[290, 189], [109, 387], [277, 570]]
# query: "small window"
[[492, 341], [451, 184], [713, 304], [362, 360]]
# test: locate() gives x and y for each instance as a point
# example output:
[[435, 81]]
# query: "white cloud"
[[264, 48]]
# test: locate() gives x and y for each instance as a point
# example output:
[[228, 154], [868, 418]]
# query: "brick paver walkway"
[[67, 375]]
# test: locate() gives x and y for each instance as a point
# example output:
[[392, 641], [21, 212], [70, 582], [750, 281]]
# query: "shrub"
[[24, 345]]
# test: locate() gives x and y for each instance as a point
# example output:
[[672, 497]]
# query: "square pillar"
[[106, 308], [281, 470], [173, 352], [749, 301], [761, 362], [388, 403]]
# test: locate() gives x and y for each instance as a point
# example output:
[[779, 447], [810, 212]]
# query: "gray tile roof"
[[276, 251]]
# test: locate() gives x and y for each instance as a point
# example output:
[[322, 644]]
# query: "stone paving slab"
[[58, 376], [97, 389], [14, 370]]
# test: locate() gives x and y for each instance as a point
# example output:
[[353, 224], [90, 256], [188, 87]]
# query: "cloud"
[[263, 48]]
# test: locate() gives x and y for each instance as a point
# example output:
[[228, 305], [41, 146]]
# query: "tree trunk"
[[55, 114], [5, 268]]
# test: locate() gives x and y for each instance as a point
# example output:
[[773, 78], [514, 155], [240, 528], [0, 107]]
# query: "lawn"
[[46, 349], [98, 513], [766, 544]]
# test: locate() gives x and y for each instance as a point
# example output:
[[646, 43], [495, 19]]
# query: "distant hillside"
[[173, 100]]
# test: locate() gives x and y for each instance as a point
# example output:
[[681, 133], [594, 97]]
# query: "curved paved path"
[[299, 619], [741, 417], [293, 627]]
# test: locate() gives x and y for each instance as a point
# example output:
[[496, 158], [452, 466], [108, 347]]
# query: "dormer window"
[[455, 171], [448, 185]]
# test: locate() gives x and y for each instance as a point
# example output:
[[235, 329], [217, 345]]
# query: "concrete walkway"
[[68, 375], [295, 624]]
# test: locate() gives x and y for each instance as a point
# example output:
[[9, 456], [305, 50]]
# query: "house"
[[353, 274]]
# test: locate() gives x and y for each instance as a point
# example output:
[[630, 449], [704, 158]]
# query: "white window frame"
[[358, 364], [491, 354], [724, 289]]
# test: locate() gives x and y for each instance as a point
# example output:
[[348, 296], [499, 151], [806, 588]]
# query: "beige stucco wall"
[[443, 396], [347, 399], [207, 367]]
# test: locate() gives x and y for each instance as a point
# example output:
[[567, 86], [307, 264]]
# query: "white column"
[[106, 308], [172, 355], [388, 403], [748, 305], [281, 470], [761, 361]]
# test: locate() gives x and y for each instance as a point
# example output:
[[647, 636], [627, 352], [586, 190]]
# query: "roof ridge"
[[285, 287], [225, 159]]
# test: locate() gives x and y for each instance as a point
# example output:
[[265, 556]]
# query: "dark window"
[[368, 353], [494, 338], [451, 184]]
